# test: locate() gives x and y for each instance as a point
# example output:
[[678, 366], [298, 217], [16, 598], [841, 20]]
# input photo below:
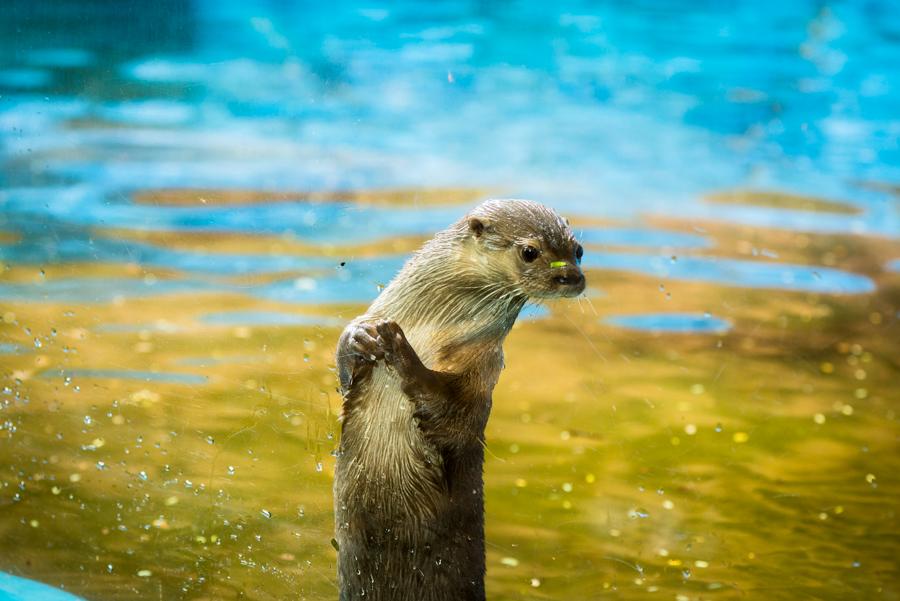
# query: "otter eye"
[[530, 253], [579, 252]]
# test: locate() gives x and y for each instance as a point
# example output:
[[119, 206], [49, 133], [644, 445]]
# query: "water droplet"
[[230, 470], [319, 466], [210, 440], [37, 343], [143, 475], [101, 465], [88, 420], [638, 513]]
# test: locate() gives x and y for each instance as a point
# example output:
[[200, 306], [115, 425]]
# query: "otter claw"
[[364, 343], [392, 341]]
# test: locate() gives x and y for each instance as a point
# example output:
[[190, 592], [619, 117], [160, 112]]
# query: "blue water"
[[778, 94], [227, 360], [894, 265], [14, 588], [126, 374], [641, 237], [267, 318], [609, 110], [678, 323], [736, 272]]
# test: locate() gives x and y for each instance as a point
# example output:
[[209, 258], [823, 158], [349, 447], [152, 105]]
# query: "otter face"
[[535, 246], [549, 271]]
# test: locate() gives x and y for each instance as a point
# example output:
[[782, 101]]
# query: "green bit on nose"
[[558, 264]]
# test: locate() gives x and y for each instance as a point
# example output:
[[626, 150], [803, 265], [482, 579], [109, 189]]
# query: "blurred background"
[[196, 196]]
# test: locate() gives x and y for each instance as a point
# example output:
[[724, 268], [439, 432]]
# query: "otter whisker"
[[577, 299], [590, 304]]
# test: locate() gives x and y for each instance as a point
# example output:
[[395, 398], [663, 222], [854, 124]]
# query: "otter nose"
[[570, 278]]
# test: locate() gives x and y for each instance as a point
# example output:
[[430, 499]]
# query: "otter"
[[416, 373]]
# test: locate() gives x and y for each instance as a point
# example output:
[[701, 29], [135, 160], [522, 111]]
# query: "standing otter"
[[417, 372]]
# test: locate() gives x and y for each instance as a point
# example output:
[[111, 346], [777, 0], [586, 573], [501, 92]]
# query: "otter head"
[[527, 246]]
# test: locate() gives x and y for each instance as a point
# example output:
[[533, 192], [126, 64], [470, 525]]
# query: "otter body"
[[417, 372]]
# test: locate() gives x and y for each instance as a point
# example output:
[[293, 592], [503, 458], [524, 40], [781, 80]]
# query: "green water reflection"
[[757, 463]]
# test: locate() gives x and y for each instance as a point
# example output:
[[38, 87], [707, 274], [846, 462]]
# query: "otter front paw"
[[363, 343], [358, 350], [424, 387], [397, 351]]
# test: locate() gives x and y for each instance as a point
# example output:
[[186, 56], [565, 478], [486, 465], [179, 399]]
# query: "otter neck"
[[444, 289]]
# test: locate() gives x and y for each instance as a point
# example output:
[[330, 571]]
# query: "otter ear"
[[477, 226]]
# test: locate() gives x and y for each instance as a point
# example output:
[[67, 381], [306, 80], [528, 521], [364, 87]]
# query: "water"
[[145, 376], [684, 323], [193, 202]]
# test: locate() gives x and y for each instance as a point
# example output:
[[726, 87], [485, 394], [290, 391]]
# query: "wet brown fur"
[[417, 372]]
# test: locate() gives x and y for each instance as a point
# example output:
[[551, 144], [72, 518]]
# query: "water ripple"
[[677, 323], [736, 272]]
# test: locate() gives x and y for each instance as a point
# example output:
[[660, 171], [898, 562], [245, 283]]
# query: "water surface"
[[196, 196]]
